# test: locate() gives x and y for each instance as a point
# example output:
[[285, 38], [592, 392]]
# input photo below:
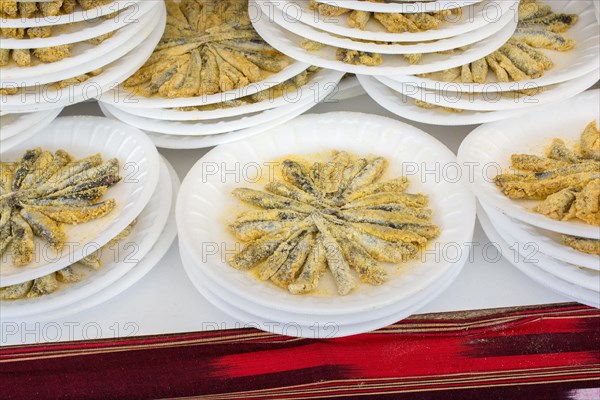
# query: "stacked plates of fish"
[[385, 38], [84, 213], [321, 227], [17, 128], [553, 55], [56, 53], [537, 178], [213, 80]]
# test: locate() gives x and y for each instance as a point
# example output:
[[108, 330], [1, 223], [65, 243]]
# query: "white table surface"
[[164, 301]]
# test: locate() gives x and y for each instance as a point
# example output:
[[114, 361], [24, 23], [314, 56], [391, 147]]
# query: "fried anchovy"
[[349, 174], [297, 257], [358, 258], [315, 265], [43, 286], [559, 151], [528, 162], [541, 38], [17, 291], [407, 199], [45, 227], [299, 176], [280, 255], [257, 251], [394, 185], [391, 234], [419, 227], [287, 190], [335, 259], [332, 172], [25, 166], [69, 170], [6, 178], [77, 215], [22, 242], [77, 182], [43, 161], [270, 201], [584, 245], [369, 174], [540, 189], [590, 142]]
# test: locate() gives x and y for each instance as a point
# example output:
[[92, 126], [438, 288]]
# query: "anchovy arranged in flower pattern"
[[208, 47], [43, 191], [336, 215]]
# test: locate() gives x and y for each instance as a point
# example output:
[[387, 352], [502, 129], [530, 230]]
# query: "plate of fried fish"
[[98, 271], [89, 85], [556, 41], [209, 53], [542, 167], [315, 37], [71, 188], [322, 217], [370, 63]]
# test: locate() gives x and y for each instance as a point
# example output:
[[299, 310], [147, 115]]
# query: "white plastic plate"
[[43, 97], [405, 107], [557, 285], [205, 206]]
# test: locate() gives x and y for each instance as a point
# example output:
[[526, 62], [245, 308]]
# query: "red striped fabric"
[[541, 352]]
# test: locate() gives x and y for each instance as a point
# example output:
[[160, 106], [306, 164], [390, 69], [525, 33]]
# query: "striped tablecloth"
[[542, 352]]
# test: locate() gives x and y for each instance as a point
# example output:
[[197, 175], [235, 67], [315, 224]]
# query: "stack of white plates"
[[136, 31], [170, 127], [147, 194], [574, 71], [530, 241], [205, 207], [483, 26], [17, 128]]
